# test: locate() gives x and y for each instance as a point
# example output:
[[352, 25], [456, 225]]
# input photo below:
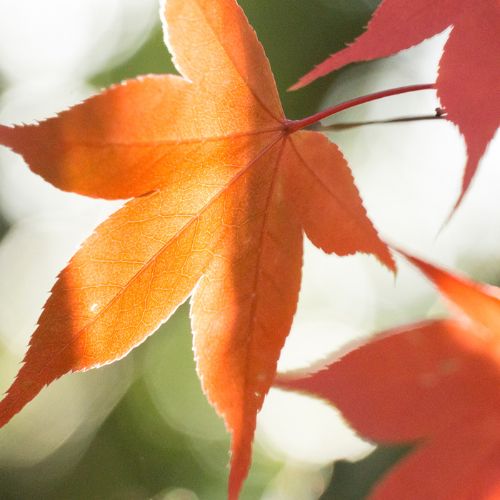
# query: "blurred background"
[[141, 428]]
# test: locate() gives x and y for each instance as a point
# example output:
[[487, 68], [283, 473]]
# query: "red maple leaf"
[[436, 383], [224, 186], [469, 70]]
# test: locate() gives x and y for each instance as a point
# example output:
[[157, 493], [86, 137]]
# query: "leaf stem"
[[294, 125], [337, 127]]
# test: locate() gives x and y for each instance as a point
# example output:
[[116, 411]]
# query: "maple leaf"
[[223, 188], [436, 383], [469, 71]]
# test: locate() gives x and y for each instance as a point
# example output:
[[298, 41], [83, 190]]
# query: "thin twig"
[[347, 126], [292, 126]]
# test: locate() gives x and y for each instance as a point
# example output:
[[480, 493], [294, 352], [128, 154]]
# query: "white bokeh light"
[[60, 40]]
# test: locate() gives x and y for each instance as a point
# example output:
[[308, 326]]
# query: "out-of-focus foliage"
[[295, 36], [353, 481]]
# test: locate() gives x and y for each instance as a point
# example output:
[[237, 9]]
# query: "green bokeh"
[[354, 481], [296, 36]]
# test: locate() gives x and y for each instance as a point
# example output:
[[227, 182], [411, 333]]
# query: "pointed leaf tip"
[[477, 301]]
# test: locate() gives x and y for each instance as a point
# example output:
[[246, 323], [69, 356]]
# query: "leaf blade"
[[396, 25], [321, 186], [447, 467], [417, 380], [479, 302], [435, 383], [259, 266], [234, 51], [468, 74], [467, 79], [212, 214]]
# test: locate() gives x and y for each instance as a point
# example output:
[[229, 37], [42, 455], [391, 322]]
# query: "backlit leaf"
[[469, 70], [436, 384], [222, 190]]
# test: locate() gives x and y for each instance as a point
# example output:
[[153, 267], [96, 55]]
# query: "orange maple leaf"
[[224, 185], [469, 71], [436, 383]]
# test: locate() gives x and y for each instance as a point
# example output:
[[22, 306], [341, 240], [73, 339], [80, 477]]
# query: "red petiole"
[[294, 125]]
